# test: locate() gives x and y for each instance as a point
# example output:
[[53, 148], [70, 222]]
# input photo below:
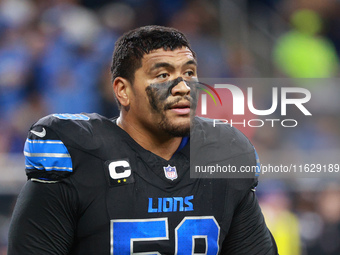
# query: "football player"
[[122, 185]]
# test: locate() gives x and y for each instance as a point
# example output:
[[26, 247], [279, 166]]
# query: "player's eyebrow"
[[161, 65], [170, 66], [191, 62]]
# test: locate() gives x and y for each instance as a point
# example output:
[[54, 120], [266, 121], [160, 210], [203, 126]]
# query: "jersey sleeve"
[[44, 219], [47, 159], [248, 233]]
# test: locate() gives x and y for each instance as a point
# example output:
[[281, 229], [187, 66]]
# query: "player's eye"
[[163, 76], [189, 73]]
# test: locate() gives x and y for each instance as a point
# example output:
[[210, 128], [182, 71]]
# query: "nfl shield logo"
[[170, 172]]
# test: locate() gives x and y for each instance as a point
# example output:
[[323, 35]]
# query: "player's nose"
[[181, 88]]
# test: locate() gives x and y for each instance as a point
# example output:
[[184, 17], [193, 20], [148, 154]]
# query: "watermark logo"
[[204, 88], [280, 99]]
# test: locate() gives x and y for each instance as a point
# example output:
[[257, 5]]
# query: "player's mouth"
[[181, 108]]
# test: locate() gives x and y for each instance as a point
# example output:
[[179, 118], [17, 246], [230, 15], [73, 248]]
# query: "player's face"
[[164, 94]]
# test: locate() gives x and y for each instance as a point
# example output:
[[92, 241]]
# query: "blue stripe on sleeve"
[[47, 155], [45, 146]]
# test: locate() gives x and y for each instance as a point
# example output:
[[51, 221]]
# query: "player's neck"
[[160, 144]]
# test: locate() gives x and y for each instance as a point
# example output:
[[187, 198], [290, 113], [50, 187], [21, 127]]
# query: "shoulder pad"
[[47, 156], [217, 135], [82, 131]]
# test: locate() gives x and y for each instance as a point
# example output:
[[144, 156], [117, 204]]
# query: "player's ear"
[[121, 88]]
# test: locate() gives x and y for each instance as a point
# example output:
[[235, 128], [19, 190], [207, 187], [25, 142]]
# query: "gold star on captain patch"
[[124, 180], [118, 181]]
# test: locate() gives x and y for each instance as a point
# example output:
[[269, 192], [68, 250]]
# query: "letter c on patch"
[[121, 174]]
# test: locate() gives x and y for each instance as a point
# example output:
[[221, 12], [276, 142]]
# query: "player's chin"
[[179, 127], [176, 124], [180, 119]]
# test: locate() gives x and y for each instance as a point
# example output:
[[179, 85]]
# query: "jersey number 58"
[[125, 232]]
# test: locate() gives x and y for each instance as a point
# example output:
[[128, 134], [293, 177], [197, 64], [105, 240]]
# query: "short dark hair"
[[130, 48]]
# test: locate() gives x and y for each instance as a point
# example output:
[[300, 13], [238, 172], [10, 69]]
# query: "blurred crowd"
[[55, 58]]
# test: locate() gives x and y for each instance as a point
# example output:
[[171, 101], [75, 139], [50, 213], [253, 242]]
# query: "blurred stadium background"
[[55, 57]]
